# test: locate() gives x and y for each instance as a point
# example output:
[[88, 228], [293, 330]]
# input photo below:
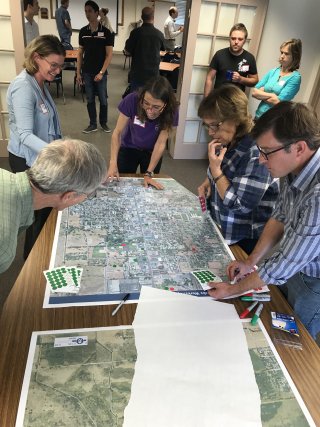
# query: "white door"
[[209, 27]]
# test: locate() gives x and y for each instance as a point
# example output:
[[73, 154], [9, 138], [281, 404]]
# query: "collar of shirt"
[[303, 180]]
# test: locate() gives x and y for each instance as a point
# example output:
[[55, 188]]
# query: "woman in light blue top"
[[281, 83], [33, 118]]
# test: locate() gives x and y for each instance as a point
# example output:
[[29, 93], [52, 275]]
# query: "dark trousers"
[[129, 159], [92, 89], [18, 164]]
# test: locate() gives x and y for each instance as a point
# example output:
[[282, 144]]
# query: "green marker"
[[256, 315]]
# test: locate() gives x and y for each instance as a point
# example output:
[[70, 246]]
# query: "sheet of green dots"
[[56, 278], [204, 276]]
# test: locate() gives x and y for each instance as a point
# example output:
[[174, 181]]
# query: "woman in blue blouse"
[[33, 117], [281, 83], [240, 191]]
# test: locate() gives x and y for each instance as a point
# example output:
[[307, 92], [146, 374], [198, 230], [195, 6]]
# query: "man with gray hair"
[[170, 32], [288, 138], [66, 172]]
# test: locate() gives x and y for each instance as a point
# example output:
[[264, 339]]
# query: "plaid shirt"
[[250, 197], [298, 208]]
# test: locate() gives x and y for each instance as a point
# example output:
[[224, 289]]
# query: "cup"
[[229, 74]]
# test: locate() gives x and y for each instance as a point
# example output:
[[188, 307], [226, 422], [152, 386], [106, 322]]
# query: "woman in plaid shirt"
[[240, 191]]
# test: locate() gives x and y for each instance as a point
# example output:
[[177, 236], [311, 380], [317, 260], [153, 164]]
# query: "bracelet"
[[218, 177], [149, 174]]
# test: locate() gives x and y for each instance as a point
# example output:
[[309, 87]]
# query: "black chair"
[[58, 81]]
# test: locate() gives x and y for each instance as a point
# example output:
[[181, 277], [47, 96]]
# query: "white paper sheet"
[[193, 367]]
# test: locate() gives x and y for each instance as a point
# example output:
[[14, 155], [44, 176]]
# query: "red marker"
[[249, 294], [247, 310]]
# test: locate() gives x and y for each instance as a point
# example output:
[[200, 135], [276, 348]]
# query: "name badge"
[[138, 122], [282, 82], [43, 109], [100, 34], [244, 68]]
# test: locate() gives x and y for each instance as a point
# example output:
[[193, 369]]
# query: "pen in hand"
[[115, 311]]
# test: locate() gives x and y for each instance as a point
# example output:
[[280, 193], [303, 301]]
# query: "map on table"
[[130, 236], [83, 378]]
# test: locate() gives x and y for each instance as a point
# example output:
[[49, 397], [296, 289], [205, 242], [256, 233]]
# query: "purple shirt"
[[139, 135]]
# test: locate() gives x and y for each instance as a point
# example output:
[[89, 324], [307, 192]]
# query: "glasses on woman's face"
[[53, 65], [266, 154], [156, 108], [212, 127]]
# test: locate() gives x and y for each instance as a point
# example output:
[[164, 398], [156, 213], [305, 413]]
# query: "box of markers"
[[284, 322]]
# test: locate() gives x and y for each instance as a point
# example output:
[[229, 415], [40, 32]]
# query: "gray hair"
[[68, 165]]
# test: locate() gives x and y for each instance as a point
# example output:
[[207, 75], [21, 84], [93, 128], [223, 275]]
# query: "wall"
[[291, 19], [132, 13]]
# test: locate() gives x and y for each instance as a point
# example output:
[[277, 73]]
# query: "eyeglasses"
[[149, 106], [53, 65], [90, 196], [214, 128], [266, 155]]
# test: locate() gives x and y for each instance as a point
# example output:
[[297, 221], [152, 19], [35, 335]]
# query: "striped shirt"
[[250, 197], [298, 208], [16, 213]]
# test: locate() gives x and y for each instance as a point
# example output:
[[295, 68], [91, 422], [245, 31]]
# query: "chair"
[[126, 56], [58, 81]]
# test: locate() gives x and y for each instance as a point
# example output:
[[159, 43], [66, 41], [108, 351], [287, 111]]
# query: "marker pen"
[[256, 297], [256, 315], [247, 310]]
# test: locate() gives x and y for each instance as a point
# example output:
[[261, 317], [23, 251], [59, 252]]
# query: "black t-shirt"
[[94, 45], [144, 44], [224, 60]]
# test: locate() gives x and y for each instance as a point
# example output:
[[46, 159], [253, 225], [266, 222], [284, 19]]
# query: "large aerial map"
[[90, 385], [129, 236]]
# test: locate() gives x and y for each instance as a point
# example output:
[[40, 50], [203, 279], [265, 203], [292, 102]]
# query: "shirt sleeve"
[[109, 38], [291, 87], [214, 62], [264, 80], [128, 106], [252, 65], [130, 43], [172, 31], [80, 38], [300, 244], [248, 186], [24, 105]]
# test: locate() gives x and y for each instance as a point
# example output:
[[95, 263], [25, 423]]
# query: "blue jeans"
[[92, 89], [303, 294]]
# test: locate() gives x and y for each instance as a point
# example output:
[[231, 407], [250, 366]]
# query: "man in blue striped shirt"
[[288, 138]]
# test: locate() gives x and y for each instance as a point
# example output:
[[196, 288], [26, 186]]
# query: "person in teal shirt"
[[281, 83]]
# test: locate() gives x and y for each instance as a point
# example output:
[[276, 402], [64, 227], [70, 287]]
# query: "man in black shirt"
[[232, 64], [144, 45], [94, 57]]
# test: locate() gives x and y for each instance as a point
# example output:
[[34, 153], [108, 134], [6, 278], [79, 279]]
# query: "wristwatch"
[[101, 72], [149, 174]]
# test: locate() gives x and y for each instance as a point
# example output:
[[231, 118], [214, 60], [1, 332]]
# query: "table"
[[23, 313], [168, 66], [72, 54]]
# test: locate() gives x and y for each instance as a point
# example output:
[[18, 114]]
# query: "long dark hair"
[[159, 88]]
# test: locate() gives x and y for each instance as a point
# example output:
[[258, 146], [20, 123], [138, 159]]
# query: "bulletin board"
[[78, 17]]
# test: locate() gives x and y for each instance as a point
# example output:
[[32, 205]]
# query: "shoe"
[[90, 128], [105, 128]]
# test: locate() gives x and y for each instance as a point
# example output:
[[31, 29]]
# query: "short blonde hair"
[[228, 102], [43, 46]]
